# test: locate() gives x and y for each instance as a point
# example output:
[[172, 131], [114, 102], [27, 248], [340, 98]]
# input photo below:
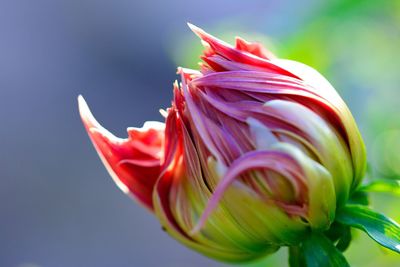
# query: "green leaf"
[[382, 186], [318, 251], [380, 228]]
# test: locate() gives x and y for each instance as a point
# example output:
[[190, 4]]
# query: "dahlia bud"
[[255, 152]]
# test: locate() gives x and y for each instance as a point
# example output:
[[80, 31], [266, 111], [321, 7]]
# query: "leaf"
[[319, 251], [382, 186], [380, 228]]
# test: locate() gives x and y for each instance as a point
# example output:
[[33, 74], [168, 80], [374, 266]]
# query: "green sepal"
[[380, 228], [340, 235], [345, 240], [335, 231], [318, 250]]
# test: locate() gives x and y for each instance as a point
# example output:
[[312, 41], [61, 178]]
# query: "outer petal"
[[181, 193], [291, 162], [133, 163], [294, 122], [222, 57], [328, 146], [326, 90], [335, 116], [320, 186]]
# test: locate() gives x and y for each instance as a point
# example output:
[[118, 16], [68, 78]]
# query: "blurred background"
[[58, 205]]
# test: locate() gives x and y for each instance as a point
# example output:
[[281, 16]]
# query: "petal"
[[329, 147], [261, 134], [219, 63], [320, 186], [276, 224], [326, 103], [225, 50], [326, 90], [181, 191], [133, 163], [253, 48], [291, 162], [164, 214]]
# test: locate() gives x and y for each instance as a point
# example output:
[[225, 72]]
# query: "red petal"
[[135, 162], [253, 48], [223, 49]]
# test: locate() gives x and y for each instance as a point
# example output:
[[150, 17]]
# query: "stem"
[[296, 257]]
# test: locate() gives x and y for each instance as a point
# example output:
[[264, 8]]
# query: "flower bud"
[[255, 152]]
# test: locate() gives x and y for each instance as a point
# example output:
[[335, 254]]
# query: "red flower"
[[255, 151]]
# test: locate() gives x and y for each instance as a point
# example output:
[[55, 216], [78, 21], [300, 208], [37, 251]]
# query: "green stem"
[[296, 257]]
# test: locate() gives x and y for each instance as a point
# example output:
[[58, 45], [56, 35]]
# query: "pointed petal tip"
[[84, 110], [163, 112], [86, 115], [81, 103], [198, 31], [83, 107], [89, 121], [192, 26]]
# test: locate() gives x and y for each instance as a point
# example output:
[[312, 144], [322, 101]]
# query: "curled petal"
[[133, 163], [264, 86], [326, 90], [330, 150], [252, 160], [181, 191], [223, 49], [249, 57], [289, 161]]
